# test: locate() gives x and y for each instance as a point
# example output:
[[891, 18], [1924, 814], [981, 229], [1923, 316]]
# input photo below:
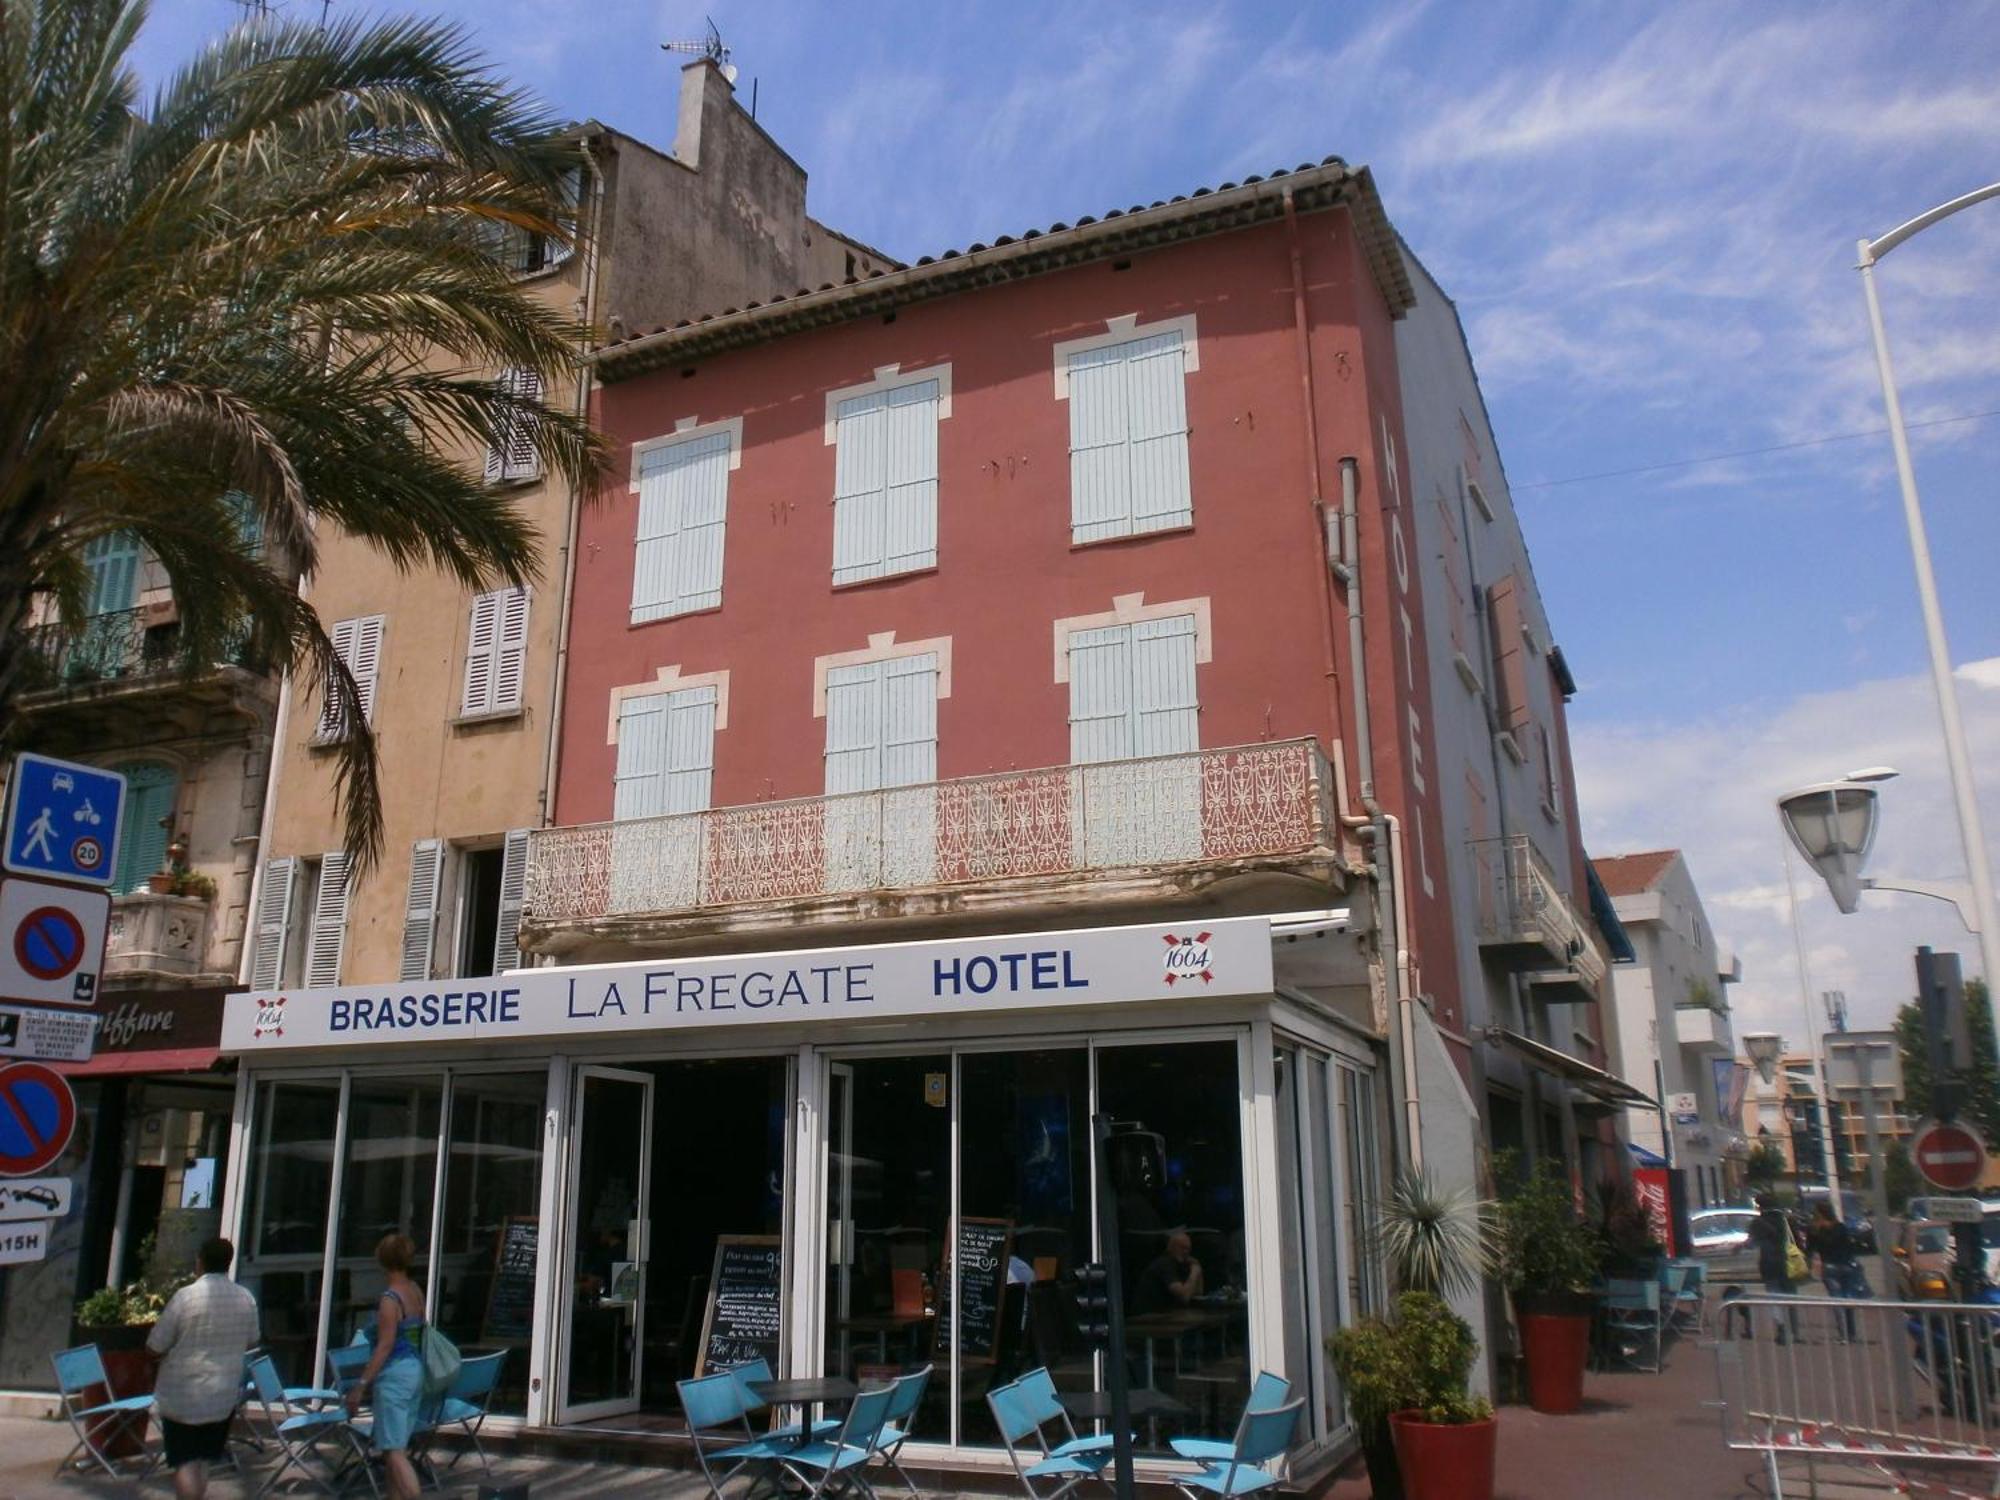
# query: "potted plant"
[[1434, 1240], [188, 882], [1627, 1245], [1446, 1438], [1549, 1260]]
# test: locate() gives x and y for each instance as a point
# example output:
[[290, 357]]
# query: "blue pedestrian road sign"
[[62, 820]]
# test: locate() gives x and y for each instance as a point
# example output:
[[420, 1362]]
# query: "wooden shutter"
[[909, 720], [513, 890], [510, 650], [1100, 694], [666, 753], [1510, 668], [523, 462], [420, 905], [150, 788], [1157, 429], [860, 469], [683, 508], [1165, 712], [112, 563], [328, 934], [642, 756], [274, 920], [358, 643], [1099, 474], [480, 638], [690, 749], [854, 728], [329, 709], [885, 482]]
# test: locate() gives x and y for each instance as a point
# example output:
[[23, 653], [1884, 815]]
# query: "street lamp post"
[[1851, 831], [1957, 757]]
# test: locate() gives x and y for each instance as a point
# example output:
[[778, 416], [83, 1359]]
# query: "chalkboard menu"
[[510, 1301], [984, 1247], [745, 1313]]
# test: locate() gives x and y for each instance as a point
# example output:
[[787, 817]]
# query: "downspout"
[[1405, 1118], [552, 752]]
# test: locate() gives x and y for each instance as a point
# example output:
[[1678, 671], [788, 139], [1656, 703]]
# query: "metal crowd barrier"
[[1903, 1388]]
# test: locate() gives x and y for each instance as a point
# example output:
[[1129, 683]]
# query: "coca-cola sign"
[[1187, 958]]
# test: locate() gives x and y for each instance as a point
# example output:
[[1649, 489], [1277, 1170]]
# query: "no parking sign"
[[51, 941], [37, 1118]]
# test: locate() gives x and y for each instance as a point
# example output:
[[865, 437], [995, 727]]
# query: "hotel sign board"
[[970, 976]]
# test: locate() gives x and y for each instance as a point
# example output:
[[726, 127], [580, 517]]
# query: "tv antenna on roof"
[[710, 47]]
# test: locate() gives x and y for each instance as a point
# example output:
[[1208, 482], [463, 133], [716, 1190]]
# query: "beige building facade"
[[462, 684]]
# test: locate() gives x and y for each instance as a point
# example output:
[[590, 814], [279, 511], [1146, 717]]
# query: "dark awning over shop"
[[151, 1060], [1606, 1088]]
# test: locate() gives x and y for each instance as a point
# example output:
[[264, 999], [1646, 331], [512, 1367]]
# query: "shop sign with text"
[[977, 976]]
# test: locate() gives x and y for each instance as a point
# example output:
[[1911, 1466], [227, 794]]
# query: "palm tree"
[[267, 287]]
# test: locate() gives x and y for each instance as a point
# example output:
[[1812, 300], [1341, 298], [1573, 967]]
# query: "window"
[[112, 565], [881, 731], [1132, 698], [683, 504], [358, 644], [289, 1180], [1128, 434], [483, 890], [885, 481], [301, 922], [1552, 786], [511, 452], [1510, 668], [496, 650], [666, 753], [524, 252], [146, 826]]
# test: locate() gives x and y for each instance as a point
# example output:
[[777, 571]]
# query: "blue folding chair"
[[78, 1370], [299, 1420], [749, 1374], [465, 1404], [1260, 1437], [1631, 1309], [716, 1412], [909, 1395], [1022, 1411], [1691, 1299], [1267, 1393], [843, 1457]]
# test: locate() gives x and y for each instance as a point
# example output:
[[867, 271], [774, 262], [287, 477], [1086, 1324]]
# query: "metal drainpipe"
[[1405, 1130], [552, 753]]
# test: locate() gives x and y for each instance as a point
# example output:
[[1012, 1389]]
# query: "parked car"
[[1720, 1231], [1923, 1260]]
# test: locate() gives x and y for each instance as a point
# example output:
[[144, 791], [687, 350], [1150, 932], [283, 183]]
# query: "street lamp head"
[[1764, 1048], [1833, 826], [1873, 773]]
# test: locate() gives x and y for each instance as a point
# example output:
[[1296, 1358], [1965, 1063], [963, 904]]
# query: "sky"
[[1647, 216]]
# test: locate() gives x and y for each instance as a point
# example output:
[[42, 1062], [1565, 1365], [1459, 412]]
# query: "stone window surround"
[[687, 429], [883, 646], [1125, 329], [669, 679], [1129, 609], [888, 378]]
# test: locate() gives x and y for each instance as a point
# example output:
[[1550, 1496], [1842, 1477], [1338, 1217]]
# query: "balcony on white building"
[[1528, 924], [1245, 828], [1704, 1028]]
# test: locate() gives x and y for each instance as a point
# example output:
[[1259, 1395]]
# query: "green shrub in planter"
[[1548, 1255]]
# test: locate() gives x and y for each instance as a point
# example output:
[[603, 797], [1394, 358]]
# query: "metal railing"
[[1519, 900], [1893, 1386], [1203, 807], [117, 644]]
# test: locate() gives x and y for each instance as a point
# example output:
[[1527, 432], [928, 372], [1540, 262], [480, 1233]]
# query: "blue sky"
[[1647, 216]]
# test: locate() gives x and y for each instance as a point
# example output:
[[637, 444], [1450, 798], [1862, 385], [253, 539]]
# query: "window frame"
[[1072, 356], [890, 381], [673, 602]]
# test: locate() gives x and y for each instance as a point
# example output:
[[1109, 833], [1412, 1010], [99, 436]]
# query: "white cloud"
[[1710, 788]]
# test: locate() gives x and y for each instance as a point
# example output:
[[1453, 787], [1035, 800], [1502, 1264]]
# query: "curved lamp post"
[[1956, 755]]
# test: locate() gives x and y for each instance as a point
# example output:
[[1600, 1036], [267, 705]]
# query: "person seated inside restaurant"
[[1173, 1280]]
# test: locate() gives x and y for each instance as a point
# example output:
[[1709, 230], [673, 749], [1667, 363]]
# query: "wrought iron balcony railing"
[[114, 646], [1521, 905], [1206, 807]]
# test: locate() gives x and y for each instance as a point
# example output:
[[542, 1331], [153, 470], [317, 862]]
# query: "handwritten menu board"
[[510, 1301], [984, 1246], [745, 1316]]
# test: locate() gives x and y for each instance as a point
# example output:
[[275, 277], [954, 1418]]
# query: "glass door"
[[611, 1143]]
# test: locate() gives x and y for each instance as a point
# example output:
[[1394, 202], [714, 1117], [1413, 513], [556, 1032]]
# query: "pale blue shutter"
[[854, 728], [683, 508], [909, 721], [642, 757], [1164, 720], [113, 564], [690, 749], [1099, 474], [860, 484], [881, 724], [1156, 416], [1100, 694], [666, 753]]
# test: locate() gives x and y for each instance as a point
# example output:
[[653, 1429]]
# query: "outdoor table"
[[1095, 1406], [880, 1326], [1172, 1326], [807, 1393]]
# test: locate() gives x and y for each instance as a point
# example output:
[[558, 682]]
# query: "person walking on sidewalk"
[[1771, 1233], [201, 1338], [394, 1377], [1832, 1242]]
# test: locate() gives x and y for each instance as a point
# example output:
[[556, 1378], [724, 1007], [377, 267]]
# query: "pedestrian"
[[1771, 1233], [200, 1340], [393, 1380], [1832, 1243]]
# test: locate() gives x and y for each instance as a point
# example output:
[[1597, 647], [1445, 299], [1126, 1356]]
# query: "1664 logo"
[[1187, 958], [270, 1018]]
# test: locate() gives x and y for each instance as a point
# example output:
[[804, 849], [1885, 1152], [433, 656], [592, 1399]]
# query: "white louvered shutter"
[[690, 749], [366, 663], [274, 920], [513, 890], [479, 641], [854, 728], [329, 708], [642, 755], [885, 482], [1165, 713], [510, 652], [1128, 438], [420, 904], [860, 466], [909, 721], [666, 753], [328, 934], [523, 462], [1100, 694], [683, 509]]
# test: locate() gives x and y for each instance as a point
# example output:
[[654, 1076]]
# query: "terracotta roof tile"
[[1629, 874]]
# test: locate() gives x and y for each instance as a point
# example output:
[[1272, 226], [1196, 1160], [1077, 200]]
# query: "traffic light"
[[1093, 1304]]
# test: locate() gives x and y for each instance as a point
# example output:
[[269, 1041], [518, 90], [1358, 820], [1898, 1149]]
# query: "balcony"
[[1255, 820], [1527, 924], [153, 938], [122, 678], [1703, 1028]]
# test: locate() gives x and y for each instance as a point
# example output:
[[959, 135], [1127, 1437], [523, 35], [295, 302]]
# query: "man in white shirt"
[[201, 1338]]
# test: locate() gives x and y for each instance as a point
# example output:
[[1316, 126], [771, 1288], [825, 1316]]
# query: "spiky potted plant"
[[1549, 1259]]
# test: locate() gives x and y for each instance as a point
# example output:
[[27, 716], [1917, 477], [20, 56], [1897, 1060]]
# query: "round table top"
[[811, 1388]]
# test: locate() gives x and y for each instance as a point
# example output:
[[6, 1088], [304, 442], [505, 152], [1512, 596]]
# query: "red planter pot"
[[1445, 1460], [1557, 1346]]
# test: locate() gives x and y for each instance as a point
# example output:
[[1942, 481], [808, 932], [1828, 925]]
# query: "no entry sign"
[[37, 1116], [1952, 1157]]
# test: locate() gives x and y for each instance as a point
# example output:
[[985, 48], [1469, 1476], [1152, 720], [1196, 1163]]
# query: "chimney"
[[703, 90]]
